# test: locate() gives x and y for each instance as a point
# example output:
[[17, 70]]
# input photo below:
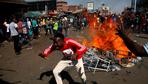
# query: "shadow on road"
[[4, 82], [64, 74], [1, 69]]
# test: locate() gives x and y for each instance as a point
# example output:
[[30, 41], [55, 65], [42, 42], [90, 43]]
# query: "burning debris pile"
[[109, 53], [98, 59]]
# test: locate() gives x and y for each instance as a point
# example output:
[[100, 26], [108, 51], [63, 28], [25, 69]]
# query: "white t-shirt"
[[29, 24], [146, 47], [13, 30], [68, 51]]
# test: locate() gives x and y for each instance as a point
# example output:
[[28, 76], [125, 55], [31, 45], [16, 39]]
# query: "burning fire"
[[103, 36]]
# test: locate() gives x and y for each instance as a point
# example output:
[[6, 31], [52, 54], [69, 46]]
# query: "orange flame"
[[103, 36]]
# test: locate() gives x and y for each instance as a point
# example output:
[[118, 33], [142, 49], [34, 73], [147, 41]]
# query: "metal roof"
[[13, 1]]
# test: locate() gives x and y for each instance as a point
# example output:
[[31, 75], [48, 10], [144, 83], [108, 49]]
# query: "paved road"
[[27, 67]]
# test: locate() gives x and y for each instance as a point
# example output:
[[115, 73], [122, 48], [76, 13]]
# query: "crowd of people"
[[30, 28], [23, 30], [135, 21], [73, 51], [138, 22], [17, 31]]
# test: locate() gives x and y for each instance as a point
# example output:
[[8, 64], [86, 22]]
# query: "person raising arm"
[[137, 49]]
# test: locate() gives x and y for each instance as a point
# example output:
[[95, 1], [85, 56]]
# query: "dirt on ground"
[[28, 67]]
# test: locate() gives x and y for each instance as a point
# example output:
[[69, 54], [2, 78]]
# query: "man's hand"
[[74, 56], [70, 56], [120, 31], [74, 59], [67, 56], [42, 55]]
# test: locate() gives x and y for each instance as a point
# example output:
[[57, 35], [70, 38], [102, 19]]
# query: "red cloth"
[[69, 44]]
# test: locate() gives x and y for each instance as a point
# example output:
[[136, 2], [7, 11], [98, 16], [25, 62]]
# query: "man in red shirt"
[[72, 52]]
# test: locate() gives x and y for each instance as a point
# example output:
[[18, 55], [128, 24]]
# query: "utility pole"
[[135, 6]]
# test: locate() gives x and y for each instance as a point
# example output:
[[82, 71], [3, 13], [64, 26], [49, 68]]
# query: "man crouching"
[[72, 51]]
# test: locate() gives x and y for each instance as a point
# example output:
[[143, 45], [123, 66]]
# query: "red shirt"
[[69, 44]]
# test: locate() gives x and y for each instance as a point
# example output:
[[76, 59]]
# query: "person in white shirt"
[[29, 28], [28, 23], [7, 30], [15, 35]]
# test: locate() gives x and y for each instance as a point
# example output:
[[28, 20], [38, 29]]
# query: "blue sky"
[[115, 5]]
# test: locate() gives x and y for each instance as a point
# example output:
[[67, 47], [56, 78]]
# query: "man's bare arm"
[[131, 45]]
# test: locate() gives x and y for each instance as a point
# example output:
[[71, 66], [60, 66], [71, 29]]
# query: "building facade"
[[12, 8], [73, 8], [42, 5], [62, 6]]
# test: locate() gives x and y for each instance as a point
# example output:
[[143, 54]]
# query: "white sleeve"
[[146, 47]]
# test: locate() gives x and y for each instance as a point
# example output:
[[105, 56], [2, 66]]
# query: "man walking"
[[14, 34]]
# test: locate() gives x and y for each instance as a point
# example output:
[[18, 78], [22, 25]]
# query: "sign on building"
[[90, 6]]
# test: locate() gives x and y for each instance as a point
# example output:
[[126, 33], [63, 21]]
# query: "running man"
[[72, 52]]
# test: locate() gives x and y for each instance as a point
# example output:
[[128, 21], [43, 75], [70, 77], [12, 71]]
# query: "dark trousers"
[[55, 32], [1, 36], [51, 31], [17, 46], [47, 30], [66, 31], [146, 29], [8, 36], [35, 32]]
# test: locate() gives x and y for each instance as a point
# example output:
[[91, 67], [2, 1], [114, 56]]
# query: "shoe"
[[30, 47], [84, 81], [42, 56], [46, 58]]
